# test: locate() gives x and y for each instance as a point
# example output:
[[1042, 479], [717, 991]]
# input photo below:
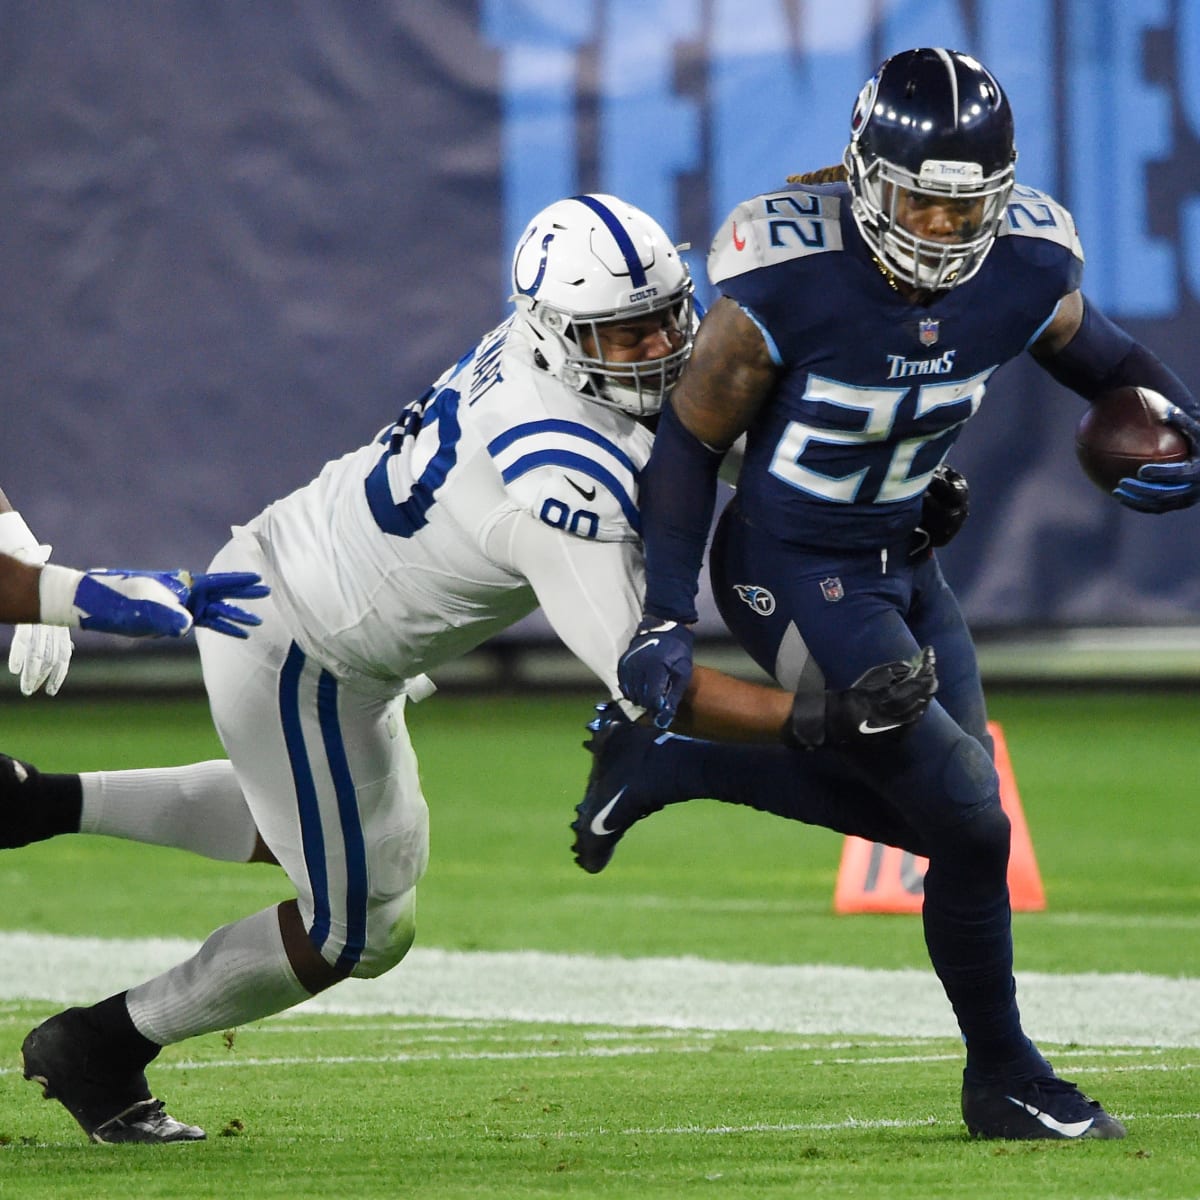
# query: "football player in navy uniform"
[[857, 328], [511, 483]]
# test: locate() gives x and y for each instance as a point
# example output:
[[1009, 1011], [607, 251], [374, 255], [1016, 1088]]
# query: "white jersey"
[[498, 490]]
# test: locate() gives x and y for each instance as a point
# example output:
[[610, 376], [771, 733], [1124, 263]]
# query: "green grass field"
[[501, 1072]]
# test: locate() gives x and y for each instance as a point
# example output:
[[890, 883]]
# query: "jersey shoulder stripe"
[[773, 228], [550, 426], [557, 466]]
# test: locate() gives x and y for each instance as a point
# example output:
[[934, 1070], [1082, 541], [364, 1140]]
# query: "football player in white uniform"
[[511, 483]]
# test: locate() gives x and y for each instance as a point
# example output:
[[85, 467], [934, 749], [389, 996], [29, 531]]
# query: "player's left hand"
[[1164, 487], [945, 505], [40, 655], [655, 670]]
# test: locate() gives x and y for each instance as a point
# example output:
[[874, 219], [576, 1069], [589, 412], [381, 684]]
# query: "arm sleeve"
[[1102, 356], [590, 591], [677, 498]]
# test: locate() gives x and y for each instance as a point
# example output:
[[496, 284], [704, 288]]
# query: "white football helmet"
[[590, 260]]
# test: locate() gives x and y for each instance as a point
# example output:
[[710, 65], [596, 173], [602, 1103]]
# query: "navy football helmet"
[[933, 123]]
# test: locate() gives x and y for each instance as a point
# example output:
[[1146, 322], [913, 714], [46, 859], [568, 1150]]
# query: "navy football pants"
[[853, 611]]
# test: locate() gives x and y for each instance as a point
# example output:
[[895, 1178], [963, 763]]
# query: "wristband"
[[56, 595], [17, 540]]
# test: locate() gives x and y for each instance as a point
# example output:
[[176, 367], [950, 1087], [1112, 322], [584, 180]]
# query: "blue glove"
[[209, 595], [655, 671], [1163, 487], [152, 603]]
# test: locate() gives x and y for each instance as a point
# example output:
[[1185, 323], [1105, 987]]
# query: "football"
[[1123, 430]]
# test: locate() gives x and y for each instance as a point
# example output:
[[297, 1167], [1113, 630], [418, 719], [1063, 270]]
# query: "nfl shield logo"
[[927, 330], [832, 589]]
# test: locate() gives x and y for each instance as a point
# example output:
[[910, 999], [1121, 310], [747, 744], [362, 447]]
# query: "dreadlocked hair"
[[837, 174]]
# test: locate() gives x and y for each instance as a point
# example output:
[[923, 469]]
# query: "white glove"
[[39, 654]]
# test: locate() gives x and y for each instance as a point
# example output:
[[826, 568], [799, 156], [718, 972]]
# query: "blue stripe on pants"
[[311, 835], [352, 834]]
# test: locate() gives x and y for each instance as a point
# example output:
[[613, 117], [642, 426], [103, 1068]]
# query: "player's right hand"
[[655, 670], [882, 703], [878, 708], [147, 603], [209, 595]]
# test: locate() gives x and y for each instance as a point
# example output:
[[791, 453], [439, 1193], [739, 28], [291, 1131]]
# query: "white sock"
[[240, 974], [199, 807]]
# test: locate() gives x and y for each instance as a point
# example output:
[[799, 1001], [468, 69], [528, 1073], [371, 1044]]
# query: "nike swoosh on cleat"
[[597, 826], [867, 727], [1070, 1129], [587, 495]]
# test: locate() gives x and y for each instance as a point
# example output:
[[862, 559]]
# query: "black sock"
[[34, 806], [110, 1020]]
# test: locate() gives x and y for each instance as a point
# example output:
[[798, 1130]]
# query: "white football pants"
[[330, 778]]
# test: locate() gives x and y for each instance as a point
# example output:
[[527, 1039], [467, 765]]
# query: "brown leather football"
[[1123, 430]]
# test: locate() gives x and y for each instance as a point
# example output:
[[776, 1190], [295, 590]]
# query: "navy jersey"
[[873, 389]]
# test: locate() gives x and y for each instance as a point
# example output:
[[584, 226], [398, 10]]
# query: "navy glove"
[[1163, 487], [208, 597], [655, 671]]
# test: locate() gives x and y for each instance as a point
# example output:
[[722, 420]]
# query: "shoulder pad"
[[774, 228], [573, 477], [1031, 213]]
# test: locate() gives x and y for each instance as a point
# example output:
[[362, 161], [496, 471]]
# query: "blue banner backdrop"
[[238, 237]]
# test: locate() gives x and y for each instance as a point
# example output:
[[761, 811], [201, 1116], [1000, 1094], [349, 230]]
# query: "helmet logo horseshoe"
[[532, 289]]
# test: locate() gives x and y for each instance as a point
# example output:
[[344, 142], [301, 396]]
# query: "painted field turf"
[[769, 1049]]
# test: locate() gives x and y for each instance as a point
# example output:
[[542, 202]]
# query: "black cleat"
[[1046, 1107], [62, 1054], [613, 801]]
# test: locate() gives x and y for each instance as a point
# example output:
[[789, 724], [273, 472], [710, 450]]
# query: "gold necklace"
[[887, 273]]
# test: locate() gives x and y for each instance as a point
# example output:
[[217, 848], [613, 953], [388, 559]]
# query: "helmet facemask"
[[879, 189], [639, 388]]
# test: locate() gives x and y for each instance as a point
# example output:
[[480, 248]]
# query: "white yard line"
[[675, 993]]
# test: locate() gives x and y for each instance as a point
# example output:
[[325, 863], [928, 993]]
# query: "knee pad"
[[974, 836], [391, 931], [969, 774]]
